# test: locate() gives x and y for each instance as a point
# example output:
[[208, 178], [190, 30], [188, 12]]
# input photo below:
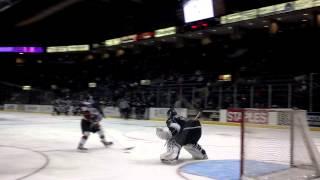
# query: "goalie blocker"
[[179, 133]]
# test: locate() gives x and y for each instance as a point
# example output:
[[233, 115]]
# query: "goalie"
[[181, 132], [90, 123]]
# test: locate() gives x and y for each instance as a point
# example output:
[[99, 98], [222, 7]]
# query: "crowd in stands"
[[184, 75]]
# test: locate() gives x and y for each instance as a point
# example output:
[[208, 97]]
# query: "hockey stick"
[[198, 116], [117, 141]]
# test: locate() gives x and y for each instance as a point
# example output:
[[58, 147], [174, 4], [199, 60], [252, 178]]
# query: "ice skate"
[[107, 143], [80, 147]]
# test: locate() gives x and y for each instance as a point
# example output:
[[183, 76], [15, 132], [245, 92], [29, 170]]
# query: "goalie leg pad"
[[173, 151], [196, 151]]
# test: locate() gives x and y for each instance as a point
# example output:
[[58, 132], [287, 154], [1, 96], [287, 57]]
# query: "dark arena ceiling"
[[74, 21], [54, 22]]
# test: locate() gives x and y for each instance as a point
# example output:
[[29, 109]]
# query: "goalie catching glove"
[[163, 133]]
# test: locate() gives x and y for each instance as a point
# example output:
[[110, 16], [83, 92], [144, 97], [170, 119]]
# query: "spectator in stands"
[[140, 108], [124, 108]]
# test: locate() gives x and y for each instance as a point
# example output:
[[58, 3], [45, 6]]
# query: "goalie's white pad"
[[172, 154], [196, 151], [163, 133]]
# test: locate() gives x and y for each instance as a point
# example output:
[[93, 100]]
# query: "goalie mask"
[[171, 113]]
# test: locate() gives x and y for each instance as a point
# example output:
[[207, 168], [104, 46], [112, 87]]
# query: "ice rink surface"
[[43, 147]]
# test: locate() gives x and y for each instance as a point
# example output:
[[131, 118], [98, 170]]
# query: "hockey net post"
[[284, 151]]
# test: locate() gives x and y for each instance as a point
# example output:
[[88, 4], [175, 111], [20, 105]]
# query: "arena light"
[[19, 61], [71, 48], [269, 10], [250, 14], [145, 35], [231, 18], [112, 42], [128, 39], [205, 24], [146, 82], [274, 28], [303, 4], [206, 41], [92, 85], [57, 49], [105, 55], [165, 32], [225, 77], [264, 11], [54, 87], [78, 48], [120, 52], [26, 88], [21, 49]]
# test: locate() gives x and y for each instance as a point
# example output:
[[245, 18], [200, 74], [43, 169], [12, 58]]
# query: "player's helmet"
[[85, 106]]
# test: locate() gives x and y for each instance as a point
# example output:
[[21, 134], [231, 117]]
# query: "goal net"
[[282, 149]]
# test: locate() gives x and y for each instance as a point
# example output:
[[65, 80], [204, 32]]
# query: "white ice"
[[43, 147]]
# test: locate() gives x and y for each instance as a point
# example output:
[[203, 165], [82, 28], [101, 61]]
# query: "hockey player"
[[181, 132], [91, 123]]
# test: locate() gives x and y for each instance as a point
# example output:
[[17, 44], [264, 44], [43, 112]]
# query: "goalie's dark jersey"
[[184, 131]]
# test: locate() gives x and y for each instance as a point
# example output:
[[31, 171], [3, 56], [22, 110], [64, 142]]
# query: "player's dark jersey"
[[90, 121]]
